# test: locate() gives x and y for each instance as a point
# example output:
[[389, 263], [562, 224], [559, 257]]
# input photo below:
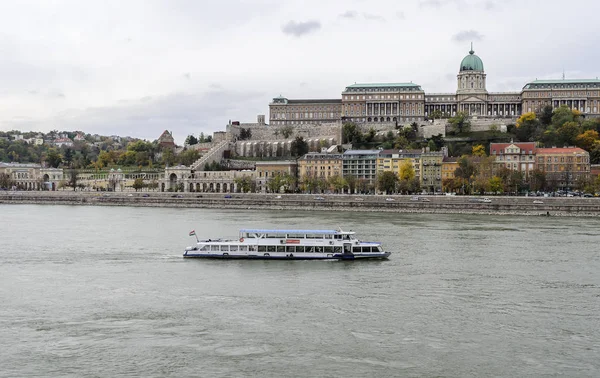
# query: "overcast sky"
[[137, 68]]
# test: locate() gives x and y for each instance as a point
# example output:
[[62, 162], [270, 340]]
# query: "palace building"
[[408, 102]]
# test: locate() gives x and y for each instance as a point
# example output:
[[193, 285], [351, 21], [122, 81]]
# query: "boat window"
[[314, 236], [319, 249], [233, 248], [262, 248], [356, 250], [214, 248], [295, 236], [270, 248], [272, 236], [337, 249], [309, 249], [290, 248], [243, 248], [224, 248], [205, 248], [337, 236], [329, 236], [328, 249], [379, 249], [281, 248]]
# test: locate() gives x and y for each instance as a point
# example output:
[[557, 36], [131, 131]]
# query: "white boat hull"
[[287, 256]]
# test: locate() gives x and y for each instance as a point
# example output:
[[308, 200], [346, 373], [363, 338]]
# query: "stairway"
[[214, 154]]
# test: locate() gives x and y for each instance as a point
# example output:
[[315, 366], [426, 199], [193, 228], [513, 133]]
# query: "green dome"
[[471, 62]]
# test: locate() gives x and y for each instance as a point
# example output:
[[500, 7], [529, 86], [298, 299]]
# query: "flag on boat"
[[192, 233]]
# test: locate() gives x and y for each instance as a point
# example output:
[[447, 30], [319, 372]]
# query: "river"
[[104, 292]]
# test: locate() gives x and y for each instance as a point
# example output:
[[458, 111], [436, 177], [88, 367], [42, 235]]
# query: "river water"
[[104, 292]]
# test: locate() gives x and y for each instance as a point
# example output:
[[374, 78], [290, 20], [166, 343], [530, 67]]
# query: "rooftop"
[[561, 150], [382, 85]]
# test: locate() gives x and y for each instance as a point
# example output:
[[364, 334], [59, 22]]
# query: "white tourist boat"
[[288, 245]]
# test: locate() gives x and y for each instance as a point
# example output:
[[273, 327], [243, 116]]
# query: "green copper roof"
[[565, 81], [471, 62]]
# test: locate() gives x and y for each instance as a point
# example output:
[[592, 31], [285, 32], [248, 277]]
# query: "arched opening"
[[204, 186], [211, 187], [218, 188], [191, 187], [197, 187], [173, 181], [162, 187]]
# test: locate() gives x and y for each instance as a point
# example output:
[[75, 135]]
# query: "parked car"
[[145, 195], [319, 198], [425, 200], [278, 197], [486, 200], [538, 202], [227, 195], [414, 198], [359, 199], [389, 199]]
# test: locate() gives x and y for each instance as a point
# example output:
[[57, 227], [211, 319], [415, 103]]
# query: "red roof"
[[499, 147], [561, 150]]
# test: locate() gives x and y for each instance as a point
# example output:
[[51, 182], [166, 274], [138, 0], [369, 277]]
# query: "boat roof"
[[268, 231]]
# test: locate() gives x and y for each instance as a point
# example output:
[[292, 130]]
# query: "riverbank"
[[563, 206]]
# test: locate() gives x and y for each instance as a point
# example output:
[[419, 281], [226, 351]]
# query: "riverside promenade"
[[499, 205]]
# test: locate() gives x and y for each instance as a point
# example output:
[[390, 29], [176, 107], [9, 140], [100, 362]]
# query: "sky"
[[139, 67]]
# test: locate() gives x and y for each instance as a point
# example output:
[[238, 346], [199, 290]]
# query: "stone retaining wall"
[[589, 207]]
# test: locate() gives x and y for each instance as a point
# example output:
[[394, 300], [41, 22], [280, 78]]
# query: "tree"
[[567, 133], [537, 180], [351, 133], [72, 175], [466, 170], [138, 183], [587, 140], [545, 116], [188, 157], [6, 181], [351, 183], [336, 183], [407, 171], [527, 127], [387, 182], [245, 134], [287, 131], [68, 156], [53, 158], [496, 185], [460, 123], [191, 140], [275, 183], [436, 114], [478, 150], [562, 115], [299, 147], [244, 184]]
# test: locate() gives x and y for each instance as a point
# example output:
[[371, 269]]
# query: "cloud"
[[431, 3], [348, 14], [298, 29], [373, 17], [400, 15], [467, 35]]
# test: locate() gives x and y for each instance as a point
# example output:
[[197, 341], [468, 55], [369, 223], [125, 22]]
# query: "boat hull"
[[273, 256]]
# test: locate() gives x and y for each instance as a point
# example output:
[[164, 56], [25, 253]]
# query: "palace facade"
[[408, 102]]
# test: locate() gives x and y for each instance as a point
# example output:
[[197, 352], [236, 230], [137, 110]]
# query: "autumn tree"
[[478, 150], [587, 140]]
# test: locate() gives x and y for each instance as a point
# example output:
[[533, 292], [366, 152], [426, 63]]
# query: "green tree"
[[527, 127], [138, 184], [387, 181], [568, 132], [53, 158], [299, 147], [351, 133], [188, 157], [336, 183], [6, 181], [466, 170], [244, 184], [545, 116], [191, 140], [460, 123], [275, 183], [72, 177], [351, 183], [287, 131]]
